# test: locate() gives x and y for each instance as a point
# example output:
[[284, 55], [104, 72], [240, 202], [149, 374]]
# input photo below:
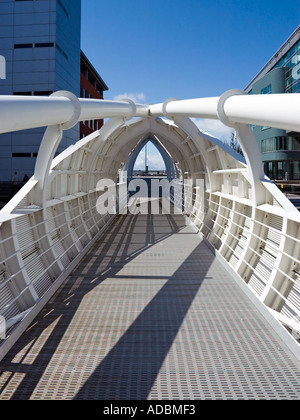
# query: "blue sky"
[[152, 50]]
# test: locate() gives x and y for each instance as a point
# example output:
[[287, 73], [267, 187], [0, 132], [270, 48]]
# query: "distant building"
[[40, 41], [91, 86], [280, 149]]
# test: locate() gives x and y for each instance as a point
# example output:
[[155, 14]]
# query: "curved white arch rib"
[[53, 221]]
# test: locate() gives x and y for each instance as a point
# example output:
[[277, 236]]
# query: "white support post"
[[248, 144], [49, 145]]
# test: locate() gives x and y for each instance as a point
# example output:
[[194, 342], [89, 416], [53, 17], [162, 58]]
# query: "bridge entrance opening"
[[151, 177], [149, 162]]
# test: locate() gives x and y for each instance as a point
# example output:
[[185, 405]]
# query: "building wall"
[[67, 58], [87, 90], [40, 41], [91, 86], [291, 63], [280, 149]]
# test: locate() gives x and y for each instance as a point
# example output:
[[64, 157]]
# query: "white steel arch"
[[53, 221]]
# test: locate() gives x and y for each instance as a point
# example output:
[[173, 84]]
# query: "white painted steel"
[[53, 221], [277, 110], [23, 112], [198, 108]]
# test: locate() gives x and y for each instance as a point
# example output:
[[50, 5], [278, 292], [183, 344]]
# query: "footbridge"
[[111, 295]]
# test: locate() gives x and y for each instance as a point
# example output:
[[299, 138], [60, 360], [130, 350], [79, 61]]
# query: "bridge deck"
[[150, 313]]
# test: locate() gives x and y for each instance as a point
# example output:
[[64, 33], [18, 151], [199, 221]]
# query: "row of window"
[[289, 59], [95, 85], [35, 93], [35, 45], [292, 81], [295, 88], [293, 78], [283, 170], [291, 62], [91, 78], [93, 124], [280, 143], [41, 45]]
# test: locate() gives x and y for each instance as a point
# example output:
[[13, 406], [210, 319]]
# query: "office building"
[[280, 149], [40, 41]]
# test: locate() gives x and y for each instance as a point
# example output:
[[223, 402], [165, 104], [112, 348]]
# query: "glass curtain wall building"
[[40, 41], [280, 149]]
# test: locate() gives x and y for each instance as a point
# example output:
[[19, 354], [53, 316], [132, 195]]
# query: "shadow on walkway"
[[130, 368]]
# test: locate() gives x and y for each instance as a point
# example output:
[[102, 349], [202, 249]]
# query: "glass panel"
[[295, 169], [282, 170], [266, 90]]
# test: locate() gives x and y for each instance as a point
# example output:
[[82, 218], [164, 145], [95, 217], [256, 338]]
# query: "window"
[[268, 145], [271, 170], [44, 45], [281, 170], [266, 90], [19, 46], [37, 45], [296, 143], [295, 169], [22, 93], [21, 155], [280, 143], [43, 93]]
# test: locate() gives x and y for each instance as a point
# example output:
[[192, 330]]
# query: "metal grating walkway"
[[150, 314]]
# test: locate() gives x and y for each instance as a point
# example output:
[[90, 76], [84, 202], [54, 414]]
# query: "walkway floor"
[[150, 314]]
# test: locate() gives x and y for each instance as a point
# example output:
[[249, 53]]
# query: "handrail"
[[26, 112], [276, 110]]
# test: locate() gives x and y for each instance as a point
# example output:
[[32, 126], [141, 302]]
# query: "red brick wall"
[[88, 127]]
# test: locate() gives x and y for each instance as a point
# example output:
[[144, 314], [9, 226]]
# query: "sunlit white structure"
[[52, 222]]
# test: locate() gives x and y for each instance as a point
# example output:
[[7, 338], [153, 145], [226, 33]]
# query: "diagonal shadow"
[[72, 294], [130, 369], [56, 310]]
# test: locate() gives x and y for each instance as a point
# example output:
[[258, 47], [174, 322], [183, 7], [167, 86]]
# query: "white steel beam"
[[23, 112], [276, 110]]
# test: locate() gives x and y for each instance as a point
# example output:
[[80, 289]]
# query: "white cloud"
[[135, 97], [214, 127], [154, 160], [140, 161]]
